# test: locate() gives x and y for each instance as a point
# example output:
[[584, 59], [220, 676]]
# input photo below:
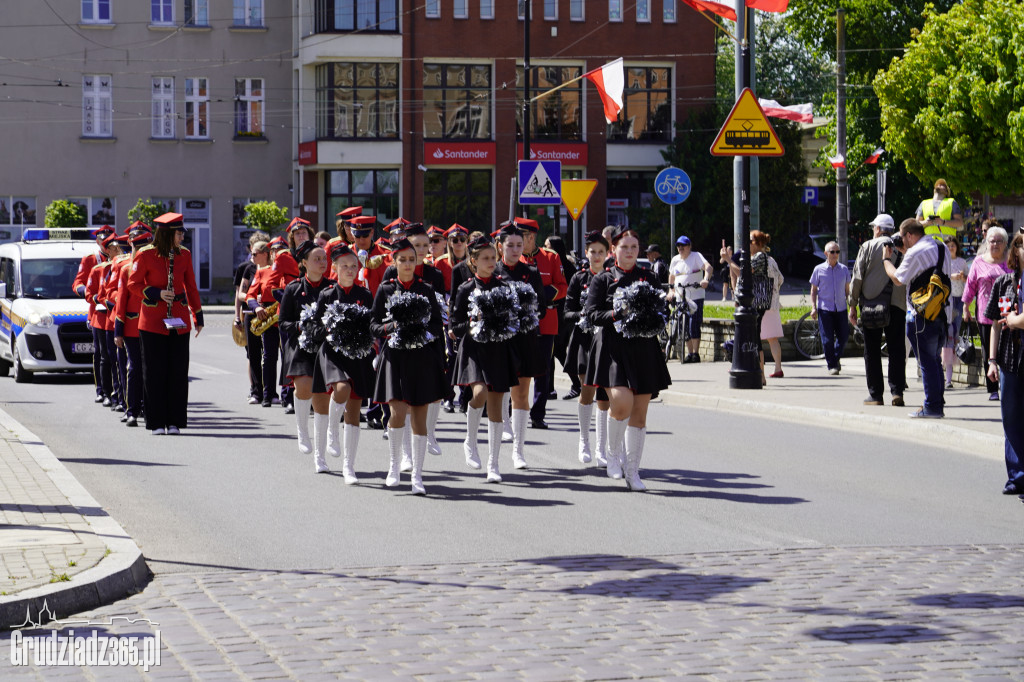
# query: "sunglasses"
[[435, 241], [833, 252], [457, 239]]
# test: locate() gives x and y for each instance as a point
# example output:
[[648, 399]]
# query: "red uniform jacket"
[[549, 265], [370, 276], [93, 287], [284, 269], [126, 321], [444, 264], [108, 294], [84, 268], [149, 277]]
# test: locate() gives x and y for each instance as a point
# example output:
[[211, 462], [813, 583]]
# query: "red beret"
[[349, 212], [297, 223], [278, 242], [361, 221], [172, 220], [455, 229]]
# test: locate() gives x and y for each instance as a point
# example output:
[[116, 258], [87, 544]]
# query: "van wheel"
[[21, 375]]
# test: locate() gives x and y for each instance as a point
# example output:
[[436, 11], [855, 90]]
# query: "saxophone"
[[257, 327]]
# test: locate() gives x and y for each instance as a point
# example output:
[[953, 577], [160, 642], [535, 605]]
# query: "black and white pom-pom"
[[639, 310], [529, 318], [493, 314], [312, 329], [584, 324], [410, 312], [348, 329]]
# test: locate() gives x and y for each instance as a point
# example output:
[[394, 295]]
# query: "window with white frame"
[[97, 106], [248, 107], [643, 11], [486, 9], [668, 12], [551, 10], [522, 9], [433, 9], [98, 211], [614, 10], [95, 11], [461, 9], [248, 12], [162, 12], [197, 108], [576, 10], [17, 210], [163, 108], [197, 12]]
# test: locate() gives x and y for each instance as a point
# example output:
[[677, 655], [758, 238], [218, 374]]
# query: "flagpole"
[[559, 87]]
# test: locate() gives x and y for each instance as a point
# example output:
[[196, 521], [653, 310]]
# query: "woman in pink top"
[[984, 271]]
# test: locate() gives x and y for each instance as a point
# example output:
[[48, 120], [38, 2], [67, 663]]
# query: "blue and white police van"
[[43, 325]]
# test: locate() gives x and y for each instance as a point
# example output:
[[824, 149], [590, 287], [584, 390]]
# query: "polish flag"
[[769, 5], [874, 156], [724, 11], [803, 113], [837, 161], [610, 79]]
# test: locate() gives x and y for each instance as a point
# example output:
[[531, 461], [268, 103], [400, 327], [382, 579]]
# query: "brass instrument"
[[257, 327]]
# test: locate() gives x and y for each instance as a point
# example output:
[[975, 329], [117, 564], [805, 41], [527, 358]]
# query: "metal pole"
[[526, 80], [672, 227], [842, 187]]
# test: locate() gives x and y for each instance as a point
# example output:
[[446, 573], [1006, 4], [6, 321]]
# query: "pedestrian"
[[410, 374], [768, 279], [163, 278], [658, 266], [883, 310], [85, 267], [985, 269], [126, 329], [455, 269], [557, 244], [244, 275], [98, 320], [1006, 351], [624, 359], [689, 267], [922, 258], [322, 238], [958, 280], [940, 215], [262, 300], [119, 245], [456, 239], [299, 352], [438, 244], [484, 318], [830, 287]]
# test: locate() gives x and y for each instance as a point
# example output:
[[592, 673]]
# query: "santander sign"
[[460, 153], [569, 153]]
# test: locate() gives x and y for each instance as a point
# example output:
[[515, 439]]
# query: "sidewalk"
[[57, 545]]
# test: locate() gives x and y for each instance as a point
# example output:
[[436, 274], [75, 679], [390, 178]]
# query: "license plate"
[[82, 348]]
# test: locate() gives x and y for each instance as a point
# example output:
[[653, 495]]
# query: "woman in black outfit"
[[297, 363], [556, 244], [410, 375], [485, 365], [631, 369]]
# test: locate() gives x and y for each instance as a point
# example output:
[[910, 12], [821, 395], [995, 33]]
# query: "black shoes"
[[538, 424], [691, 357], [1011, 489], [448, 406], [374, 423], [267, 403], [873, 401], [132, 421], [572, 394], [897, 401]]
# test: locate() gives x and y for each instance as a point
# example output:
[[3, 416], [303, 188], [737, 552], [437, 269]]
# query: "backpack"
[[929, 297], [762, 283]]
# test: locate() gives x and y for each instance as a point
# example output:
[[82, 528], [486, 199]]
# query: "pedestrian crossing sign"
[[540, 182]]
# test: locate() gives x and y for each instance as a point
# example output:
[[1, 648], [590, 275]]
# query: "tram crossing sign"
[[747, 131]]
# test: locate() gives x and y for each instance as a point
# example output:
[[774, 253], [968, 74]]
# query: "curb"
[[121, 573]]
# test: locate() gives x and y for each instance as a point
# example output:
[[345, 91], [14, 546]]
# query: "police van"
[[43, 324]]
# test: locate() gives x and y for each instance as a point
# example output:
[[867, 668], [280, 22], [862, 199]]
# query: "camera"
[[896, 241]]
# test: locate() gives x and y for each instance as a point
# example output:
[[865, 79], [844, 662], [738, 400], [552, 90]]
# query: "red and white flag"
[[769, 5], [837, 161], [610, 79], [724, 11], [874, 156], [804, 113]]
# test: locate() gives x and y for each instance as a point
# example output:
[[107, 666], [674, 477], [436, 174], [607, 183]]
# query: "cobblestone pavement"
[[811, 613]]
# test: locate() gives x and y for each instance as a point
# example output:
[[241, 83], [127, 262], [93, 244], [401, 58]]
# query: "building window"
[[248, 13], [163, 108], [95, 11], [356, 15], [197, 108], [486, 9], [375, 190], [646, 106], [162, 12], [248, 107], [461, 9], [576, 10], [643, 11], [462, 196], [551, 10], [557, 116], [97, 107], [357, 101], [457, 101], [614, 10], [98, 211], [522, 9], [17, 210], [433, 9], [669, 12], [197, 12]]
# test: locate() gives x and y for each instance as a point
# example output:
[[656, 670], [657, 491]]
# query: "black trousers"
[[116, 396], [97, 353], [254, 352], [896, 340], [271, 342], [133, 382], [99, 340], [543, 383], [985, 332], [165, 376]]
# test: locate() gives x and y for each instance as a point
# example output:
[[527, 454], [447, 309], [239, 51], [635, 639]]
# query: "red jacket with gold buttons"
[[149, 277], [549, 265]]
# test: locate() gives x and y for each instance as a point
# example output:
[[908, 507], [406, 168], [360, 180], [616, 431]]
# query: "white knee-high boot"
[[470, 445], [348, 465], [302, 424], [602, 438], [519, 418], [433, 411], [419, 451], [494, 449], [320, 440], [406, 441], [507, 432], [635, 438], [616, 434], [395, 452], [335, 411], [585, 412]]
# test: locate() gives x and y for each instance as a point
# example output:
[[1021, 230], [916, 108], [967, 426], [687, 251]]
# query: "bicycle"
[[808, 341], [674, 342]]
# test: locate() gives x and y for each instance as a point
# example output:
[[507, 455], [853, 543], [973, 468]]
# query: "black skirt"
[[577, 352], [493, 364], [415, 376], [637, 364], [527, 352], [333, 367], [296, 362]]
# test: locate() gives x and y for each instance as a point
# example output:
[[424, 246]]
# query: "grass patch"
[[62, 578], [725, 312]]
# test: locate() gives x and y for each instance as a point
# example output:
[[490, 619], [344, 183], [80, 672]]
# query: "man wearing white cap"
[[872, 289]]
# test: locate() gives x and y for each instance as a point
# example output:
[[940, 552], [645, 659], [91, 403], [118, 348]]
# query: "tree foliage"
[[64, 213], [264, 215], [145, 211], [953, 105]]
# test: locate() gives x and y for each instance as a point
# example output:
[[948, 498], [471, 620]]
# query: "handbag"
[[929, 299], [762, 283], [874, 312], [964, 347]]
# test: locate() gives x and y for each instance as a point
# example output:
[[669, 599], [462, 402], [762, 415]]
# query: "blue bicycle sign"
[[672, 185]]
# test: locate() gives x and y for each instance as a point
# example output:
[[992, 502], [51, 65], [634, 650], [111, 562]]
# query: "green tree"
[[265, 215], [64, 213], [145, 211], [953, 105]]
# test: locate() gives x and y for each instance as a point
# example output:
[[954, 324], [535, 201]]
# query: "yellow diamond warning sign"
[[576, 194], [747, 131]]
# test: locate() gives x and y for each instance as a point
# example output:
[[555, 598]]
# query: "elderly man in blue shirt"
[[830, 288]]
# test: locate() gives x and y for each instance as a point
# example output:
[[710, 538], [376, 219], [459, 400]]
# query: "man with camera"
[[872, 290], [921, 259]]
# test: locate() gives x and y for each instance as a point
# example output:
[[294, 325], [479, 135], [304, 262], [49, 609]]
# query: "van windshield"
[[48, 278]]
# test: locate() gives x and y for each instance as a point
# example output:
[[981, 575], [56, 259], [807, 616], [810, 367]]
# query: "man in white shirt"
[[926, 336], [690, 267]]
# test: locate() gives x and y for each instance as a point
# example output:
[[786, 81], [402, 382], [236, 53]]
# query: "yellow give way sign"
[[576, 194], [747, 131]]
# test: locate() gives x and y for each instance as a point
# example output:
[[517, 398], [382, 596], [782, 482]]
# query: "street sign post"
[[747, 132], [540, 183], [672, 185], [575, 195]]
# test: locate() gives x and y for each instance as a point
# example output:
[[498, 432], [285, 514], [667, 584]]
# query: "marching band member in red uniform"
[[372, 257], [108, 294], [163, 278], [126, 329], [437, 245], [98, 318], [85, 267]]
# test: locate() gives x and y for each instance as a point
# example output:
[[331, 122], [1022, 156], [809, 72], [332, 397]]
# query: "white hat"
[[883, 221]]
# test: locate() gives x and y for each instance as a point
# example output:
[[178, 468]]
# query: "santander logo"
[[438, 154], [474, 153]]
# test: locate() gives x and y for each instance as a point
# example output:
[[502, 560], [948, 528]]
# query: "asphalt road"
[[233, 491]]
